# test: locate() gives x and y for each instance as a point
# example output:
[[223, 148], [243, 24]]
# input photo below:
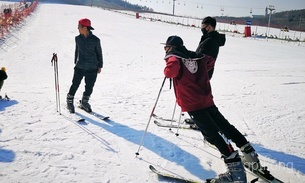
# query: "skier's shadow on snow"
[[6, 156], [4, 104], [154, 143], [287, 160]]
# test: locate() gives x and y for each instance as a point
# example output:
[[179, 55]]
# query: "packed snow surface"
[[258, 85]]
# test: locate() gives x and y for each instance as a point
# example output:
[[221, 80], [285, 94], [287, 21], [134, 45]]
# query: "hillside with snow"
[[258, 85]]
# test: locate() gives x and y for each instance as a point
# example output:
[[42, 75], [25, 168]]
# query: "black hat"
[[174, 41], [209, 21]]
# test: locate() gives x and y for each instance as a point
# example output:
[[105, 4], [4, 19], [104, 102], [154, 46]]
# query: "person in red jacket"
[[191, 81]]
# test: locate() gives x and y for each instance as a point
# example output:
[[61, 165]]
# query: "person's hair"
[[209, 21]]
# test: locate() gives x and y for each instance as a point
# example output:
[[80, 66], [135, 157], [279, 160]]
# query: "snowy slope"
[[258, 85]]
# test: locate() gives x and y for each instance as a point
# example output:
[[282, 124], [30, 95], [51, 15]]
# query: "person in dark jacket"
[[3, 76], [193, 93], [88, 63], [211, 40]]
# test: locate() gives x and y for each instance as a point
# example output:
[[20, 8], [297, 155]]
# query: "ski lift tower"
[[270, 8], [174, 7]]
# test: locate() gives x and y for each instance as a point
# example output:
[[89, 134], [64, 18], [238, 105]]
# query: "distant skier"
[[3, 76], [88, 63], [211, 40], [193, 94]]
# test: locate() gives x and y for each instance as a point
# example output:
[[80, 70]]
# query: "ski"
[[163, 119], [182, 126], [73, 117], [81, 121], [97, 115], [187, 120], [172, 177], [263, 174]]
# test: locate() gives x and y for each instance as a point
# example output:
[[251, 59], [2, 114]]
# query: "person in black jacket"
[[3, 76], [88, 63], [211, 40], [209, 44]]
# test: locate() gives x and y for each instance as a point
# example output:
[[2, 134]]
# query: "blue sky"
[[201, 8]]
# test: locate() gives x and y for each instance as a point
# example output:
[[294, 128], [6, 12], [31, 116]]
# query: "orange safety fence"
[[13, 14]]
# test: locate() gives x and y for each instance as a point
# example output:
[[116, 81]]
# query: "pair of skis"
[[101, 117], [181, 126], [97, 115], [164, 122], [75, 117], [262, 173]]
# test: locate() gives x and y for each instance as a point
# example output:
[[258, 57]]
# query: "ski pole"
[[54, 60], [57, 81], [174, 111], [151, 114], [179, 123]]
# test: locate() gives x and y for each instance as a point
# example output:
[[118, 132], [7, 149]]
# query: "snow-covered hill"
[[258, 85]]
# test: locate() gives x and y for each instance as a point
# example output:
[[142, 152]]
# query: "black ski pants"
[[90, 78], [1, 84], [210, 122]]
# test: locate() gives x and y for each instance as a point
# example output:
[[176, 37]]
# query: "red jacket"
[[191, 82]]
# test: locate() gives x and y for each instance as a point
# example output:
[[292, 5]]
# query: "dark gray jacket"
[[88, 52]]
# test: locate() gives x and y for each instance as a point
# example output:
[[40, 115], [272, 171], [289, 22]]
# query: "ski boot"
[[236, 171], [85, 105], [250, 159], [70, 105], [189, 121], [251, 162]]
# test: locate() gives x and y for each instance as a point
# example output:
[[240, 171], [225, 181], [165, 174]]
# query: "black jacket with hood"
[[209, 45]]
